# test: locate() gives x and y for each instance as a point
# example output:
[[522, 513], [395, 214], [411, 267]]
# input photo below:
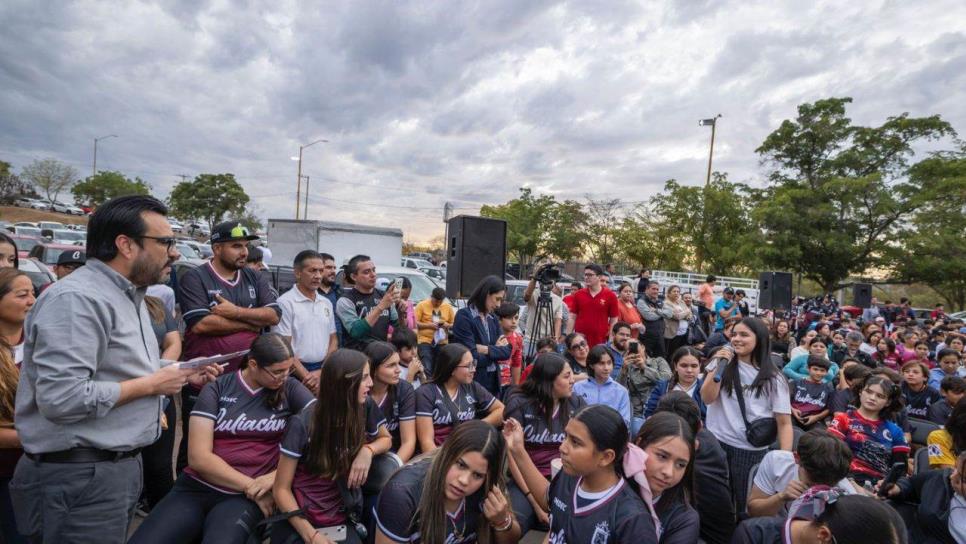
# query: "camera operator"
[[654, 313], [546, 276]]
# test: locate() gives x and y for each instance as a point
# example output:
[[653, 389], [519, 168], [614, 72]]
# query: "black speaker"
[[862, 295], [475, 248], [775, 290]]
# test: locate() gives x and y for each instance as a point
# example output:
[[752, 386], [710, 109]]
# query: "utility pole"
[[714, 123], [184, 177], [305, 213], [298, 189], [94, 168]]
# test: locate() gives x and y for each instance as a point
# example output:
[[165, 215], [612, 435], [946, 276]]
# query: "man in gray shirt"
[[91, 383]]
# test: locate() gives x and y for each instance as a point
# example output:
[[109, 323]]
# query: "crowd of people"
[[345, 413]]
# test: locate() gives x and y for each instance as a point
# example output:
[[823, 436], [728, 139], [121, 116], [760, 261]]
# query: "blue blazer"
[[661, 389], [470, 331]]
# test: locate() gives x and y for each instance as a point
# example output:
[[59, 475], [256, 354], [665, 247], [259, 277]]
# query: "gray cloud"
[[428, 102]]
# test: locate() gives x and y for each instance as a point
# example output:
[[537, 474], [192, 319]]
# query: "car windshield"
[[422, 286], [421, 263], [70, 235], [25, 244], [28, 231], [188, 252]]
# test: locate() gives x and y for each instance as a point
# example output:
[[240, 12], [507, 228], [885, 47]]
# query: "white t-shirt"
[[724, 416], [778, 469], [309, 322]]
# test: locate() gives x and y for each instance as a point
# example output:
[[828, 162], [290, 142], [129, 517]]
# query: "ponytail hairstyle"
[[607, 431], [267, 350], [679, 354], [764, 383], [538, 387], [856, 519], [665, 425], [891, 388], [9, 373], [470, 436], [378, 353], [447, 359], [337, 428]]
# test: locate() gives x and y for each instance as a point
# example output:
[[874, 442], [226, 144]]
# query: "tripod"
[[542, 317]]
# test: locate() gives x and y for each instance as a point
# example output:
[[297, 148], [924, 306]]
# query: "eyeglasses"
[[589, 274], [277, 374], [578, 345], [163, 240], [467, 367]]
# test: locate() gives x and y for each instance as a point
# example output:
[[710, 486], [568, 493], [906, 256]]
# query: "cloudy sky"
[[428, 102]]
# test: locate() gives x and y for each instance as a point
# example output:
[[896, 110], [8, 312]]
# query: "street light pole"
[[714, 123], [94, 168], [305, 212], [298, 189]]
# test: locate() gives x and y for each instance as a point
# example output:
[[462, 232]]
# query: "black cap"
[[729, 291], [229, 231], [77, 256]]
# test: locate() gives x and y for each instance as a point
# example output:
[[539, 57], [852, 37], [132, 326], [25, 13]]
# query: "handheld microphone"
[[721, 362]]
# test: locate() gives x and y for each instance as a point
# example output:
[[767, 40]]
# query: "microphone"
[[721, 362]]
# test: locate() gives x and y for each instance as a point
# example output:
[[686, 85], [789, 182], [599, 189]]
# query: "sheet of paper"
[[205, 361]]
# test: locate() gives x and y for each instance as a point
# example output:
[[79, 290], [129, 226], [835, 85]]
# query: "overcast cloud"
[[428, 102]]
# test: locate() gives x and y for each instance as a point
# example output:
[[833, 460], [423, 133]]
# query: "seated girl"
[[395, 397], [686, 369]]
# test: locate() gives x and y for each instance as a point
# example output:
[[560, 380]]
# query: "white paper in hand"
[[205, 361]]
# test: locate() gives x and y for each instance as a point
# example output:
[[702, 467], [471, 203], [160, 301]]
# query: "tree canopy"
[[208, 197], [49, 176], [98, 189]]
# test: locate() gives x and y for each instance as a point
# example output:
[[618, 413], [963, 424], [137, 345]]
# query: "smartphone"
[[633, 346], [896, 472], [398, 285], [336, 534]]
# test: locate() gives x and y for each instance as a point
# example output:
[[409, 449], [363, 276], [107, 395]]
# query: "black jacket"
[[679, 523], [712, 490], [932, 492]]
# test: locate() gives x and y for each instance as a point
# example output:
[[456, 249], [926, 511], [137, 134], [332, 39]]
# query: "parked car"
[[30, 232], [435, 272], [24, 244], [34, 203], [26, 224], [187, 251], [63, 207], [52, 225], [410, 262], [66, 236], [175, 225], [39, 274], [48, 252]]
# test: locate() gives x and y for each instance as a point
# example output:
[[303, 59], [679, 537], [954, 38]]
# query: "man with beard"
[[225, 305], [331, 290], [366, 312], [91, 383], [308, 319]]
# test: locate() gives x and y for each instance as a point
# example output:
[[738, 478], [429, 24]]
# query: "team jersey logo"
[[601, 534], [251, 291]]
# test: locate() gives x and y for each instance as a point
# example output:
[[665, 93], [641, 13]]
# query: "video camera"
[[547, 275]]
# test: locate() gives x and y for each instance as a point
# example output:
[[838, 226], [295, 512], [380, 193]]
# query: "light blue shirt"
[[610, 393], [936, 376], [797, 369]]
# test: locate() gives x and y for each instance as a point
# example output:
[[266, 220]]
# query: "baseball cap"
[[229, 231], [729, 291], [76, 256]]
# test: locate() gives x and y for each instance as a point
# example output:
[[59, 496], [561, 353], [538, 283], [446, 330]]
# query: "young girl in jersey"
[[440, 497], [543, 403], [749, 370], [686, 368], [669, 444], [876, 441], [452, 397], [589, 500], [918, 396], [236, 427], [885, 353], [331, 441], [395, 397]]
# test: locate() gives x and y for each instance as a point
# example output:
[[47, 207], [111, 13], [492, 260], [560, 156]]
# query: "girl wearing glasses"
[[576, 355], [328, 446], [235, 431], [875, 439], [452, 397], [543, 404]]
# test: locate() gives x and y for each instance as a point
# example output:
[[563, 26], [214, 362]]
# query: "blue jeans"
[[636, 424]]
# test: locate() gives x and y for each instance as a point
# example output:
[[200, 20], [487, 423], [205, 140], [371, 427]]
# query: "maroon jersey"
[[319, 497], [541, 442], [247, 431], [471, 401]]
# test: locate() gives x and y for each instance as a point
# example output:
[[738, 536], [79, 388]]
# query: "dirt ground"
[[14, 214]]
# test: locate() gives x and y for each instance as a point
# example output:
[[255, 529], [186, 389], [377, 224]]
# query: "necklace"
[[458, 530]]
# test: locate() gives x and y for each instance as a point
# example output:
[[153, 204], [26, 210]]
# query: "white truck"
[[287, 237]]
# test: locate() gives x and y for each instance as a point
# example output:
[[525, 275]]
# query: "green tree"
[[11, 185], [837, 192], [931, 249], [604, 219], [527, 217], [636, 242], [49, 176], [709, 224], [209, 197], [565, 230], [96, 190]]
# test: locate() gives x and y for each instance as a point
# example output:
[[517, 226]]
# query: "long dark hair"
[[9, 373], [767, 371], [670, 425], [486, 287], [470, 436], [267, 350], [607, 431], [679, 354], [5, 239], [337, 429], [956, 426], [447, 359], [538, 387], [891, 388], [854, 519], [378, 353]]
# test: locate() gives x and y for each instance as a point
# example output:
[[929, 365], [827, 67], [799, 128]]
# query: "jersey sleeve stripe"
[[288, 453], [200, 311], [382, 423], [212, 417], [425, 414], [392, 536], [489, 404], [407, 418]]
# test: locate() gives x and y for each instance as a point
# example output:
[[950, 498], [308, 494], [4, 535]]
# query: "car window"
[[422, 286], [25, 244], [51, 255]]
